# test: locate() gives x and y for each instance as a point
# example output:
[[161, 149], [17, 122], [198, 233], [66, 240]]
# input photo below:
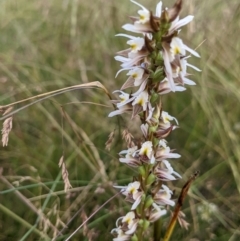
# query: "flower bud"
[[153, 128], [146, 224], [142, 171], [151, 178], [140, 223], [154, 97], [159, 61], [165, 20], [174, 11], [155, 142], [143, 197], [134, 238], [158, 74], [148, 202]]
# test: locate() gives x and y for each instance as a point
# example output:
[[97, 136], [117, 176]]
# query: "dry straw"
[[67, 184], [7, 127]]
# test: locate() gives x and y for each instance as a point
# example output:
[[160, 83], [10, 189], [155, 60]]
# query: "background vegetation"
[[47, 45]]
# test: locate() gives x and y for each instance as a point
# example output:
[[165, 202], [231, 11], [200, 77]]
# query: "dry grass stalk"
[[91, 234], [45, 224], [110, 140], [127, 136], [25, 200], [67, 184], [59, 223], [7, 127], [84, 218]]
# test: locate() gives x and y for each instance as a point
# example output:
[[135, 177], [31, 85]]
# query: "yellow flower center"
[[135, 75], [140, 102], [142, 17], [176, 50], [166, 120], [132, 190], [133, 46]]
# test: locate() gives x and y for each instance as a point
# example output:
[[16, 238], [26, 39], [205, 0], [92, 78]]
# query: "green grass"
[[48, 45]]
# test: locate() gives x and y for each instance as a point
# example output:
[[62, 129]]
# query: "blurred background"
[[47, 45]]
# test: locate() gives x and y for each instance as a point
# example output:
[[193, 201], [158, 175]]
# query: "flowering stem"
[[157, 64], [157, 230]]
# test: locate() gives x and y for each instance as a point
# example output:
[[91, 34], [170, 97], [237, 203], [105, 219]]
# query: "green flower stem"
[[157, 227], [23, 222], [156, 59]]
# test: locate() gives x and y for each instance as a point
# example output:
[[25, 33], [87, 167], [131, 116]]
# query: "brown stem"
[[181, 198]]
